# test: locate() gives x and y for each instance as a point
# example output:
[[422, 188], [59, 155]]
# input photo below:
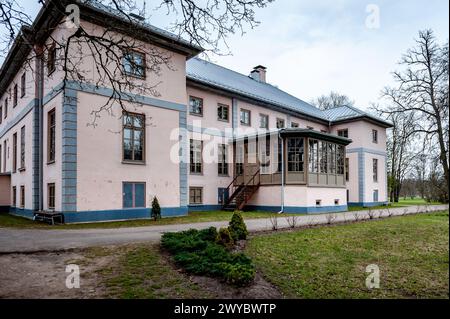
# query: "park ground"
[[7, 220], [311, 262]]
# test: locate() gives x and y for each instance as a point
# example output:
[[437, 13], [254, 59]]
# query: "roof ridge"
[[255, 81]]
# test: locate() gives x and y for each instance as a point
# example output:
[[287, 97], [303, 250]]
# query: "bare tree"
[[206, 24], [422, 93], [399, 151], [332, 100]]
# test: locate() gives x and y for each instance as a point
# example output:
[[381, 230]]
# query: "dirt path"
[[43, 275]]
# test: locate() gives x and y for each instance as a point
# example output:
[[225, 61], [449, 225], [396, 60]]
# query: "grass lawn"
[[7, 220], [402, 203], [141, 272], [412, 253]]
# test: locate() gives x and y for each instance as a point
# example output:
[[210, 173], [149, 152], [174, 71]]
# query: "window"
[[340, 160], [4, 155], [343, 133], [375, 195], [51, 136], [323, 157], [15, 95], [318, 202], [280, 123], [293, 124], [264, 121], [1, 114], [222, 112], [279, 156], [14, 163], [310, 128], [133, 195], [22, 196], [6, 108], [14, 196], [313, 156], [375, 169], [196, 157], [295, 154], [195, 105], [245, 117], [336, 202], [22, 85], [133, 137], [264, 148], [222, 160], [1, 167], [331, 158], [51, 196], [347, 167], [134, 64], [51, 59], [222, 195], [374, 136], [22, 148], [195, 195], [239, 165]]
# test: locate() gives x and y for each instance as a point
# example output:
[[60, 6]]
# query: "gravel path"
[[34, 240]]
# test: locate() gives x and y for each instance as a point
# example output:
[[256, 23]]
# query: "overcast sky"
[[311, 47]]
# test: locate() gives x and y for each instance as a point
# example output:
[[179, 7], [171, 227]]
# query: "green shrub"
[[240, 275], [238, 229], [208, 234], [199, 253], [156, 209], [224, 238]]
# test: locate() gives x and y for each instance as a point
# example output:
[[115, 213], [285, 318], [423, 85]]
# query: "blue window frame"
[[133, 195], [222, 194], [375, 195]]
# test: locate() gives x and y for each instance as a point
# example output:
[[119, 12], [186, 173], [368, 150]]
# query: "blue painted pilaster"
[[69, 151]]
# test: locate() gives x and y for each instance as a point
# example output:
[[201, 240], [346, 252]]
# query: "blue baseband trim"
[[300, 209], [120, 214], [27, 213], [367, 204], [203, 208]]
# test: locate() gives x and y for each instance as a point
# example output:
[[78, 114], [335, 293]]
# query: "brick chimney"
[[259, 73]]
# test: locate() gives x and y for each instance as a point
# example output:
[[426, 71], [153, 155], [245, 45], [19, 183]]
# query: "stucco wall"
[[5, 190], [100, 171]]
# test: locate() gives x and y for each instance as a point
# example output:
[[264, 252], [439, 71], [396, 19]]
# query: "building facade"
[[211, 138]]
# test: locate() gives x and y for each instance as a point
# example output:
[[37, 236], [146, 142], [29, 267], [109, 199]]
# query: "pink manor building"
[[211, 139]]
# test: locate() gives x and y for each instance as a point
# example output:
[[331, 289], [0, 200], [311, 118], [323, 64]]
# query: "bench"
[[49, 217]]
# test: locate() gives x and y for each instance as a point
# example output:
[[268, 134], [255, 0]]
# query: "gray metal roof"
[[218, 76], [346, 112], [108, 9], [226, 79]]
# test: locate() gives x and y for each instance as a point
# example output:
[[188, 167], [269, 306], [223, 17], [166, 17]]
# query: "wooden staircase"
[[241, 193]]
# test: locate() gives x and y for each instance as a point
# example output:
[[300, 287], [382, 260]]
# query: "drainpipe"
[[40, 78], [282, 174]]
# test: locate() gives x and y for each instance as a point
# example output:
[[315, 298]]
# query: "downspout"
[[41, 128], [282, 174]]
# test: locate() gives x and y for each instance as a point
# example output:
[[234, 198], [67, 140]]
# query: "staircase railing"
[[231, 191], [251, 182]]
